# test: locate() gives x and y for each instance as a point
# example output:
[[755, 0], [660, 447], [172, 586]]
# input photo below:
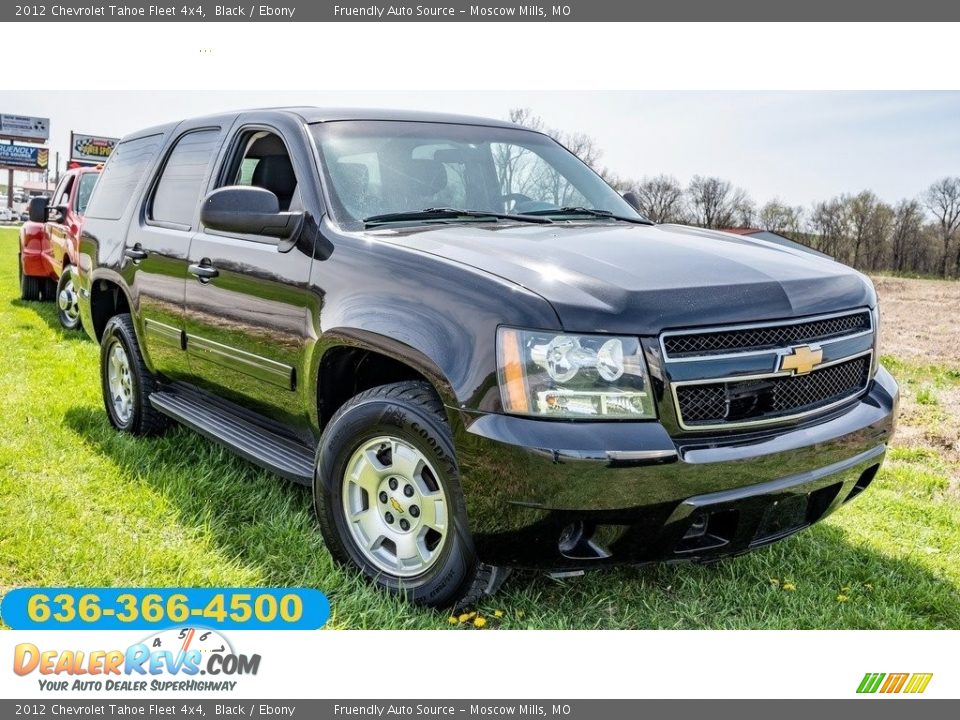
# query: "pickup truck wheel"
[[29, 286], [126, 382], [388, 497], [68, 309]]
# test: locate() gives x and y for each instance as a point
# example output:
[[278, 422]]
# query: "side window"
[[88, 181], [61, 195], [181, 182], [263, 161], [119, 179]]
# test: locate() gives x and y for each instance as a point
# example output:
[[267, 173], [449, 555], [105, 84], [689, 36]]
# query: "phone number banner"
[[146, 608], [24, 156]]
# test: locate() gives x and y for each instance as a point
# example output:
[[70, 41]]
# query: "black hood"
[[639, 279]]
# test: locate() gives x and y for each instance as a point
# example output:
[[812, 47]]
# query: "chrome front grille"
[[737, 376], [764, 337], [771, 398]]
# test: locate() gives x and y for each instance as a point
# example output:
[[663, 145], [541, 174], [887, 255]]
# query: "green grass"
[[81, 504]]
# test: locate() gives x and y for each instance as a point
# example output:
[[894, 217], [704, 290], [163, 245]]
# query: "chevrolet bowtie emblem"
[[396, 505], [801, 359]]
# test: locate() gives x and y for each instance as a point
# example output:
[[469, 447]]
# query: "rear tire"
[[126, 382], [387, 495], [68, 309], [29, 286]]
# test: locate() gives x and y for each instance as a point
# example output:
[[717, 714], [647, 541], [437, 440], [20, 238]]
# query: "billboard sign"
[[90, 149], [23, 127], [24, 157]]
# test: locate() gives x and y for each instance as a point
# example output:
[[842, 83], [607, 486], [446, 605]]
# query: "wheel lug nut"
[[389, 518], [408, 490], [393, 483], [404, 525], [414, 511], [383, 496]]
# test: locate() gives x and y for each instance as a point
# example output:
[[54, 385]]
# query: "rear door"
[[250, 325], [158, 242]]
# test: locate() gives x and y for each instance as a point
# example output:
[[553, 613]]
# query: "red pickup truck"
[[48, 243]]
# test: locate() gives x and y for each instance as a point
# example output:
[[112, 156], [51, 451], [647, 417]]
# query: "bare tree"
[[870, 223], [714, 202], [907, 236], [943, 200], [778, 217], [830, 225], [661, 198]]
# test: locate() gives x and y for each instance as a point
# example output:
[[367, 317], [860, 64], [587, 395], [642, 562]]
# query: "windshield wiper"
[[593, 212], [449, 214]]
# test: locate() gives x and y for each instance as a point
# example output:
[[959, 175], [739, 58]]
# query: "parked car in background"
[[25, 216], [7, 214], [48, 243], [475, 351]]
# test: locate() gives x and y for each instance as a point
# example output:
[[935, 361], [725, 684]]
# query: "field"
[[83, 505]]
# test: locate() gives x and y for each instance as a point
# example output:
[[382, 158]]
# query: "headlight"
[[546, 374]]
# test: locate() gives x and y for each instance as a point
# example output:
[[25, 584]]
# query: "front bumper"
[[571, 495]]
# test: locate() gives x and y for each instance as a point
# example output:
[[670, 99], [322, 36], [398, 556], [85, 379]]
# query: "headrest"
[[275, 173]]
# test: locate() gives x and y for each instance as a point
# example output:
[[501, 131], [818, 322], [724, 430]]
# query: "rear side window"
[[126, 166], [88, 181], [182, 178]]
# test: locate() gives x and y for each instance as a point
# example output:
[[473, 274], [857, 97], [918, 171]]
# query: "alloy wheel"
[[395, 506]]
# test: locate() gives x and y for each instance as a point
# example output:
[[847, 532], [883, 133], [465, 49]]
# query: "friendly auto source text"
[[379, 11]]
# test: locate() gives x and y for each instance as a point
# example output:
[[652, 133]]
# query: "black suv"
[[477, 353]]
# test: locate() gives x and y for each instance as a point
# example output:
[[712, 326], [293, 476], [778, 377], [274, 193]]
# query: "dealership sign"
[[24, 157], [23, 127], [91, 148]]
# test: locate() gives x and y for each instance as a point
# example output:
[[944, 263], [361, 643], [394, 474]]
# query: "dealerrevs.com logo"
[[183, 653], [890, 683]]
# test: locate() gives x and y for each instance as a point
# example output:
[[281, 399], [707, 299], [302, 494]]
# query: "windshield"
[[87, 183], [375, 168]]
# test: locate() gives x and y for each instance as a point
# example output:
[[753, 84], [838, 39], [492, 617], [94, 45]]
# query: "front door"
[[249, 311]]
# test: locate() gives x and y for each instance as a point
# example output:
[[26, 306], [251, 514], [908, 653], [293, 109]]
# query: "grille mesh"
[[762, 338], [735, 402]]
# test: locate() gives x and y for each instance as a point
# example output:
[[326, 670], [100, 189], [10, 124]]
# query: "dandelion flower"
[[467, 616], [479, 622], [789, 587], [452, 620], [498, 613], [775, 582], [842, 598]]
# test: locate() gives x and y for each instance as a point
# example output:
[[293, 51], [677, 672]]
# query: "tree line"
[[918, 235]]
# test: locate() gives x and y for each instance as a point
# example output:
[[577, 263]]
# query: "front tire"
[[388, 498], [68, 308], [126, 382]]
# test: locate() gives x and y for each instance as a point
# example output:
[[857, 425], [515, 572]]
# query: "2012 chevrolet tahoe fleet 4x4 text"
[[476, 352]]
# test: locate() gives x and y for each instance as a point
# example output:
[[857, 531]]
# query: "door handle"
[[204, 271], [135, 253]]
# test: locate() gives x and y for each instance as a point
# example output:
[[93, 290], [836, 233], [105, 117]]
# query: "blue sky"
[[798, 146]]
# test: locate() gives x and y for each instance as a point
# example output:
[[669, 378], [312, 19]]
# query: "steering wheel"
[[517, 198]]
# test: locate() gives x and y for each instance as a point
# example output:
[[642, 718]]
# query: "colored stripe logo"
[[912, 683]]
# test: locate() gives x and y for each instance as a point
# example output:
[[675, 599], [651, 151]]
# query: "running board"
[[282, 455]]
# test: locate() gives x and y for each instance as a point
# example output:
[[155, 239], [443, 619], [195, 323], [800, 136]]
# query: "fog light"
[[570, 537], [697, 528]]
